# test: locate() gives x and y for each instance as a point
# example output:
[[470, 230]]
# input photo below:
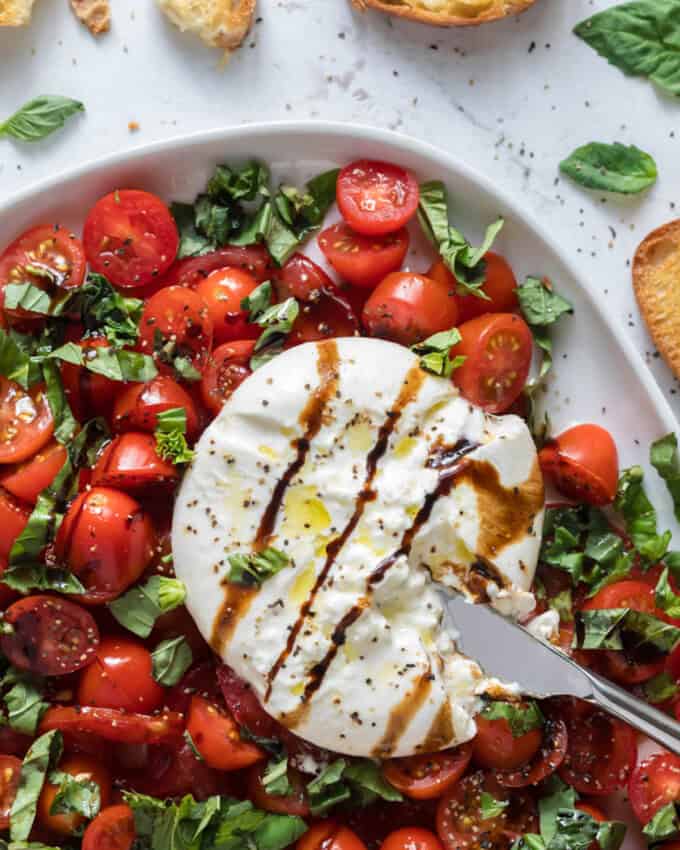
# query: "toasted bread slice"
[[448, 13], [95, 14], [15, 13], [656, 279], [220, 23]]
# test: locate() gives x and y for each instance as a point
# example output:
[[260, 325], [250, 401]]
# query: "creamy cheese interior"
[[379, 482]]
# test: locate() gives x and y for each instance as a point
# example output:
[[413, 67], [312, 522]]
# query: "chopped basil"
[[664, 825], [15, 359], [623, 628], [277, 322], [521, 717], [41, 757], [562, 796], [120, 364], [65, 424], [258, 301], [639, 38], [619, 168], [192, 746], [368, 783], [256, 567], [663, 455], [103, 310], [41, 577], [435, 353], [541, 307], [489, 807], [275, 777], [563, 603], [171, 659], [665, 596], [640, 516], [39, 117], [26, 296], [139, 608], [191, 242], [171, 442], [328, 789], [75, 796], [24, 701], [465, 262], [660, 688]]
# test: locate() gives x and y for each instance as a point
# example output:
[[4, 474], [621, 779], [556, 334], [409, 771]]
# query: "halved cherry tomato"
[[179, 622], [115, 725], [495, 747], [28, 479], [174, 771], [14, 743], [303, 279], [500, 287], [89, 394], [82, 768], [363, 260], [217, 737], [653, 783], [412, 838], [428, 776], [497, 348], [13, 519], [10, 771], [130, 462], [138, 405], [329, 835], [407, 307], [601, 752], [112, 829], [294, 803], [244, 704], [543, 763], [50, 635], [26, 423], [375, 197], [223, 291], [254, 259], [107, 540], [130, 237], [176, 323], [121, 677], [228, 367], [583, 463], [329, 316], [47, 256]]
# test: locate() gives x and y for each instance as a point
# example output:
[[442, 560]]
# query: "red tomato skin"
[[427, 777], [121, 677], [10, 771], [26, 423], [112, 829], [412, 838], [244, 705], [500, 286], [130, 462], [406, 308], [330, 316], [253, 259], [174, 771], [376, 198], [77, 766], [654, 782], [292, 804], [13, 519], [303, 279], [107, 540], [494, 747], [360, 260], [583, 463], [88, 393], [137, 406], [329, 835], [544, 763], [217, 737], [130, 237], [223, 291], [228, 367], [28, 479], [114, 725]]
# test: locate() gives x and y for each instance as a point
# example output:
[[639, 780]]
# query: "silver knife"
[[511, 653]]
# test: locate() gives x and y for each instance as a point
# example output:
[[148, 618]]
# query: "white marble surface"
[[511, 99]]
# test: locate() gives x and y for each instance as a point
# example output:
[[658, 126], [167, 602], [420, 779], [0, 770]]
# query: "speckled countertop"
[[511, 99]]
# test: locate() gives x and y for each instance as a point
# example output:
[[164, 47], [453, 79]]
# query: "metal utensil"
[[508, 651]]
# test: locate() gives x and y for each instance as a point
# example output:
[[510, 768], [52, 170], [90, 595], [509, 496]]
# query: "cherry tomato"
[[130, 237], [217, 738], [28, 479], [26, 423], [428, 776], [583, 463], [363, 260], [14, 743], [329, 835], [594, 811], [497, 348], [48, 257], [543, 763], [130, 462], [328, 316], [179, 622], [174, 771], [294, 803], [303, 279], [82, 768], [13, 519], [115, 725], [244, 704], [601, 752], [89, 394], [653, 783], [254, 259], [107, 540], [10, 770], [50, 635], [407, 307], [223, 291], [495, 746], [412, 838], [376, 198], [500, 287], [121, 677], [228, 367], [138, 406], [112, 829]]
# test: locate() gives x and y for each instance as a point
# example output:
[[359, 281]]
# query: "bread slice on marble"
[[219, 23], [448, 13], [15, 13], [95, 14]]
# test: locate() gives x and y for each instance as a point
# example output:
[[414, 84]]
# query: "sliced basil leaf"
[[171, 443], [191, 242], [563, 603], [663, 455], [24, 701], [435, 353], [366, 778], [75, 796], [640, 516], [120, 365], [25, 579], [521, 717], [170, 660], [664, 825], [489, 807], [256, 567], [26, 296], [619, 168], [139, 608], [15, 359], [103, 310], [258, 302], [665, 596], [562, 796], [42, 755], [39, 117], [660, 688], [328, 789], [65, 424], [275, 777], [192, 746], [530, 841], [244, 184], [541, 306], [623, 628]]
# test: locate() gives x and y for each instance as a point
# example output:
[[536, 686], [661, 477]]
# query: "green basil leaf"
[[213, 219], [626, 170], [258, 302], [39, 117], [623, 628], [664, 458], [42, 755], [171, 443], [610, 835], [664, 825], [256, 567], [278, 831], [70, 352], [191, 242], [366, 777], [640, 516], [576, 830], [15, 359], [529, 841], [24, 701], [660, 688], [665, 596], [275, 777], [65, 424], [103, 310], [121, 365], [139, 608], [563, 603], [277, 322], [640, 38], [75, 796], [562, 796], [170, 660], [435, 353], [26, 296], [541, 306], [192, 746], [489, 807], [522, 718]]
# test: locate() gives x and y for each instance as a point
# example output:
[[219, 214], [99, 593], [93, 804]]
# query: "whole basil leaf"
[[42, 755], [139, 608], [39, 117], [626, 170], [170, 661]]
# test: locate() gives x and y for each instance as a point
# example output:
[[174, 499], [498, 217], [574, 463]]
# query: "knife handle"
[[662, 728]]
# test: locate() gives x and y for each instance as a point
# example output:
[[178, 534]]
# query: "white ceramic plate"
[[598, 376]]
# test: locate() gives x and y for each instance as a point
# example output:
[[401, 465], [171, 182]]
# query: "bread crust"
[[405, 9], [15, 13], [656, 281], [220, 23], [95, 14]]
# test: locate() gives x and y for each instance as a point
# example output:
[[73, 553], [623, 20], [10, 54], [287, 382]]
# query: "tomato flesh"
[[583, 464], [28, 479], [495, 746], [228, 367], [216, 737], [428, 776], [654, 783], [112, 829], [130, 462], [10, 771], [26, 422], [500, 288], [376, 198], [363, 260], [137, 406], [223, 291]]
